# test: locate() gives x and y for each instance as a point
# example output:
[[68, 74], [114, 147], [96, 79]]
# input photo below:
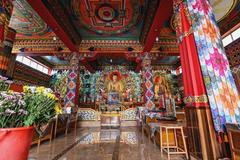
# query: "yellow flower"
[[51, 96], [25, 89], [40, 89], [58, 108], [10, 91]]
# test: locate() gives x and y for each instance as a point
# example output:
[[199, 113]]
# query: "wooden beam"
[[45, 14], [163, 14], [40, 53]]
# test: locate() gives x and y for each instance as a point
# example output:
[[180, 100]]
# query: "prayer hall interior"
[[119, 79]]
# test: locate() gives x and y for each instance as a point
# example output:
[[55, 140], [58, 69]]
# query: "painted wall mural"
[[58, 83], [97, 86], [220, 86]]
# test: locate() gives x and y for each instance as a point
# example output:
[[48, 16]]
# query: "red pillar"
[[202, 139]]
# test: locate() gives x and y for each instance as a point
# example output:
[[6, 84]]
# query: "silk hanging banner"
[[69, 99], [221, 89]]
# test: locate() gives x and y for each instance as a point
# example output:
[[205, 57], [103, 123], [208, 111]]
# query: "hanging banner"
[[220, 86]]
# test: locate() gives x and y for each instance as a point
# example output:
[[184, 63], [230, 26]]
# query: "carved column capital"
[[146, 61]]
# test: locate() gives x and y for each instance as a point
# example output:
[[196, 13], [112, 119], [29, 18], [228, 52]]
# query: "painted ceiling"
[[105, 25], [112, 19], [27, 22], [97, 19]]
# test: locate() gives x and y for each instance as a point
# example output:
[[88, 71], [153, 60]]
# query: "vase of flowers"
[[19, 112]]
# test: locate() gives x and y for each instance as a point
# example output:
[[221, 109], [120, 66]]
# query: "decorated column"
[[148, 81], [7, 35], [72, 82], [210, 92]]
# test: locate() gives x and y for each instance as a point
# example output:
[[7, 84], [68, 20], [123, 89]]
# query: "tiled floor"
[[99, 144]]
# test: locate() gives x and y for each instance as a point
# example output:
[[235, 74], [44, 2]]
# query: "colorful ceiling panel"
[[222, 8], [113, 19], [27, 23]]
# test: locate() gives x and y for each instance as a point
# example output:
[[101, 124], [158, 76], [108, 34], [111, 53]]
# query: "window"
[[19, 58], [45, 70], [227, 40], [236, 34], [231, 37], [33, 64], [39, 67], [26, 61]]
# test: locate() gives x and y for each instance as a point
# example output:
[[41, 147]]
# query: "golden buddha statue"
[[114, 84]]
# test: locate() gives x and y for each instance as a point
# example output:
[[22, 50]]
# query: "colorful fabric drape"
[[69, 99], [221, 89], [148, 80]]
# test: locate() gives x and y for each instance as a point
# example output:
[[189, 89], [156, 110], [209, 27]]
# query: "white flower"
[[9, 82], [9, 111], [33, 89], [22, 111], [3, 78]]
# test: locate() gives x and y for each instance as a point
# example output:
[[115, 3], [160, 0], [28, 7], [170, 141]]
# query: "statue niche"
[[115, 86]]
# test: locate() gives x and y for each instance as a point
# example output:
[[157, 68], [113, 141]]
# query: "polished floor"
[[100, 144]]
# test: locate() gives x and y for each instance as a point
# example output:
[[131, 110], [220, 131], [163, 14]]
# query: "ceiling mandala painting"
[[27, 22], [104, 19]]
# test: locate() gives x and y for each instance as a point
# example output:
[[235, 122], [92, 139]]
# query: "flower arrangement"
[[35, 106], [4, 83]]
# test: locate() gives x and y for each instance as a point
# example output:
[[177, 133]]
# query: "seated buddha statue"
[[115, 85]]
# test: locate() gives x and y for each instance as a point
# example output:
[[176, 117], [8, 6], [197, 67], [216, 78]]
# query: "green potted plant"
[[19, 113]]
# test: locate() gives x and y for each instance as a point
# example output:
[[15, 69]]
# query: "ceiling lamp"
[[130, 49], [54, 38], [59, 49], [91, 49], [22, 49], [157, 39]]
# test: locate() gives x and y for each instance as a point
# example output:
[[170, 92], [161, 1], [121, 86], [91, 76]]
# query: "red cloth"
[[2, 33], [16, 87]]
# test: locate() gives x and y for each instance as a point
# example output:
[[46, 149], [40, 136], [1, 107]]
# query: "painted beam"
[[45, 14], [41, 53], [163, 14]]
